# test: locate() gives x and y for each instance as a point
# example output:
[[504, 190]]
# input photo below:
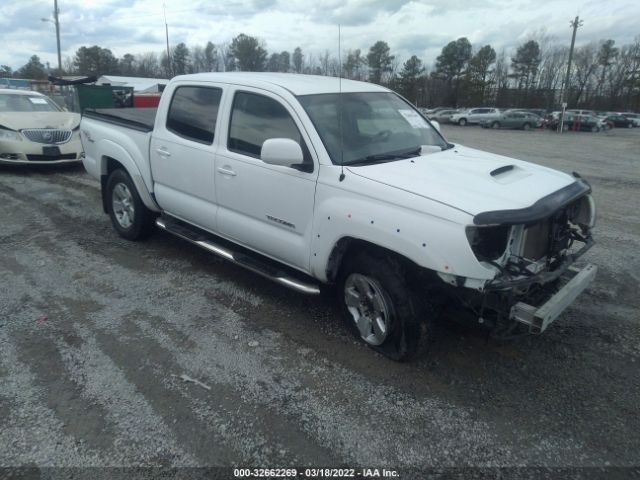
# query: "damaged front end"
[[532, 251]]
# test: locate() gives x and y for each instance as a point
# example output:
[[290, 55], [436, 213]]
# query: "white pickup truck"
[[314, 181]]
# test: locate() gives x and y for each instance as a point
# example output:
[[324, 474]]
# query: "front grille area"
[[46, 158], [50, 136], [537, 239], [551, 236]]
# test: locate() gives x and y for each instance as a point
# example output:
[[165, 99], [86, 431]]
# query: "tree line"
[[603, 75]]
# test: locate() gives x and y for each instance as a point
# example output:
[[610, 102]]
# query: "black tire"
[[408, 322], [142, 223], [462, 122], [495, 125], [526, 126]]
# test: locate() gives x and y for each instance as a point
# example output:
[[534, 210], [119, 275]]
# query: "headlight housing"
[[583, 213], [10, 135], [488, 243]]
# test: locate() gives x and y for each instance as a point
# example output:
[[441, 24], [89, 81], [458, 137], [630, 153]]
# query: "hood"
[[21, 120], [470, 180]]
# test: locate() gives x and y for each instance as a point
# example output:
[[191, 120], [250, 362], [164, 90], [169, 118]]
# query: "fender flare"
[[114, 152]]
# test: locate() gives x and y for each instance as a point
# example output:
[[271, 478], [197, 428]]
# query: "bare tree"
[[584, 67]]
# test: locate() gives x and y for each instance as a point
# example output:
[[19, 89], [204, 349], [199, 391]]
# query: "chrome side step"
[[254, 264]]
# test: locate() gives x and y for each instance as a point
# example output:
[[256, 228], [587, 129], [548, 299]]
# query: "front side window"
[[378, 126], [26, 103], [193, 113], [256, 118]]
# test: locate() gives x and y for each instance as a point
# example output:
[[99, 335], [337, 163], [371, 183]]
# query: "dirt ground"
[[97, 337]]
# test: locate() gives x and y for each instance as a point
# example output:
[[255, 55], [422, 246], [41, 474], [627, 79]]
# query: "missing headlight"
[[488, 243], [583, 213]]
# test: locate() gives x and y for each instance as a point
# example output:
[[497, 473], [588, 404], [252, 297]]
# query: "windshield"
[[26, 103], [376, 126]]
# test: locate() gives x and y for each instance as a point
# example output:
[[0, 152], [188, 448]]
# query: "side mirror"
[[435, 124], [281, 151]]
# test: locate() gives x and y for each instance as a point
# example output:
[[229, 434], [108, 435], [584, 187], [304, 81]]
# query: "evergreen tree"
[[380, 61], [248, 53]]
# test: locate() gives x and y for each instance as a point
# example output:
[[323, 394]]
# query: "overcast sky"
[[420, 27]]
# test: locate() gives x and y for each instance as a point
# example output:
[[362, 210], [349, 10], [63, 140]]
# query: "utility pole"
[[57, 22], [565, 94], [166, 31]]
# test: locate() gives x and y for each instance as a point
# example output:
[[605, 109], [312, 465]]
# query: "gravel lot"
[[97, 334]]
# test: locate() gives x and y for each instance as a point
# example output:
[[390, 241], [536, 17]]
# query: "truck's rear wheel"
[[380, 307], [129, 216]]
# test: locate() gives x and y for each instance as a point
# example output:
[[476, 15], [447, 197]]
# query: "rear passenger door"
[[477, 115], [268, 208], [182, 153]]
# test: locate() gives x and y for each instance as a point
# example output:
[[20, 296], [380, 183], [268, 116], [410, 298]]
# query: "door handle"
[[227, 171], [163, 152]]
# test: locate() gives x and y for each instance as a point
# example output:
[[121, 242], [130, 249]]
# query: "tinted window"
[[193, 113], [256, 118]]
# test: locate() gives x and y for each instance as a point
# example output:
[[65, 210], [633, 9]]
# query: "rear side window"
[[256, 118], [193, 113]]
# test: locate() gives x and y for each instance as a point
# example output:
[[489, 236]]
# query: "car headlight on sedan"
[[9, 135]]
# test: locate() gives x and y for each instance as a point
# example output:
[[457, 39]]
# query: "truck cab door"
[[182, 153], [268, 208]]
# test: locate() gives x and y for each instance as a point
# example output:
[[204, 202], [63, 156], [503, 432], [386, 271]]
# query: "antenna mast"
[[340, 104], [166, 31]]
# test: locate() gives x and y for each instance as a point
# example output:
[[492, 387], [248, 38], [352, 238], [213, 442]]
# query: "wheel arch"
[[348, 245], [115, 157]]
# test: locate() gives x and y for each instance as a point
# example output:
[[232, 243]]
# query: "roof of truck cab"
[[298, 84]]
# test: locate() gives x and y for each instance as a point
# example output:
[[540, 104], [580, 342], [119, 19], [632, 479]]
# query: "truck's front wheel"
[[380, 307], [130, 217]]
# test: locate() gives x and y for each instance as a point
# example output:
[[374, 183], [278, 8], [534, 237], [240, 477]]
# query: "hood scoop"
[[501, 170], [508, 174]]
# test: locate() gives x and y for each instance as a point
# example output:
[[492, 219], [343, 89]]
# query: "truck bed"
[[141, 119]]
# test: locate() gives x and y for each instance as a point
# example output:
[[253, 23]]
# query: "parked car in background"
[[474, 116], [620, 121], [35, 130], [590, 113], [432, 111], [635, 117], [541, 112], [516, 120], [603, 123], [583, 123], [535, 111], [443, 116]]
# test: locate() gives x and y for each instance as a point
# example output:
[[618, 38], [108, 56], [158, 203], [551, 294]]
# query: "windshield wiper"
[[386, 157]]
